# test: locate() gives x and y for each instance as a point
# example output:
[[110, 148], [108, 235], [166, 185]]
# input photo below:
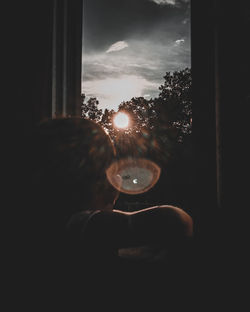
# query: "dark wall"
[[234, 94], [221, 89], [28, 26], [33, 46], [204, 122], [233, 54]]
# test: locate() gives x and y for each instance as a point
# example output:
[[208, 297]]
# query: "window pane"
[[137, 59], [128, 46]]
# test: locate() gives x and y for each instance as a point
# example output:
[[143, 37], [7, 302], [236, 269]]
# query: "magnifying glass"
[[133, 175]]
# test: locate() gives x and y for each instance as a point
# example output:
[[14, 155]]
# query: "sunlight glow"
[[111, 92], [121, 120]]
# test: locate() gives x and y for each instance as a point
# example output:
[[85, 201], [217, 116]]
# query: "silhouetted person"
[[78, 237]]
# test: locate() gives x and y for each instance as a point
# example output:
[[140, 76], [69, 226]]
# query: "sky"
[[129, 45]]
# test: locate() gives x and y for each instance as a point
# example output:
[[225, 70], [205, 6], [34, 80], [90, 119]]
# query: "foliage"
[[90, 109], [155, 125], [107, 122], [174, 104], [171, 110], [141, 113]]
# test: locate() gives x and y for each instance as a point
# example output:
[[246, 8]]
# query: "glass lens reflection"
[[133, 175]]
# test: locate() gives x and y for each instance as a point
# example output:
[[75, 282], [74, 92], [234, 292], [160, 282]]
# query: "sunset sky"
[[129, 45]]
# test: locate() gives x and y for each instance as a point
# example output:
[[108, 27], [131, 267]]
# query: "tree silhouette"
[[90, 109], [141, 113], [173, 106], [107, 122], [166, 118]]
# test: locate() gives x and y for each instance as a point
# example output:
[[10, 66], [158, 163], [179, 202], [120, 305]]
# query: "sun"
[[121, 120]]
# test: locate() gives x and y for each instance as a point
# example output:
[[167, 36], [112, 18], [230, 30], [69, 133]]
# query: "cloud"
[[176, 3], [112, 91], [163, 2], [179, 41], [140, 68], [118, 46]]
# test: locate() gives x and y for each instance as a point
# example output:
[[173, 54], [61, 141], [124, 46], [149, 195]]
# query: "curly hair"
[[70, 157]]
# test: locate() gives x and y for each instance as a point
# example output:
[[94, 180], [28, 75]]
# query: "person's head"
[[70, 159]]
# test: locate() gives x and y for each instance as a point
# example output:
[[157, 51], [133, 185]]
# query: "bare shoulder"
[[174, 209], [168, 215], [180, 213]]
